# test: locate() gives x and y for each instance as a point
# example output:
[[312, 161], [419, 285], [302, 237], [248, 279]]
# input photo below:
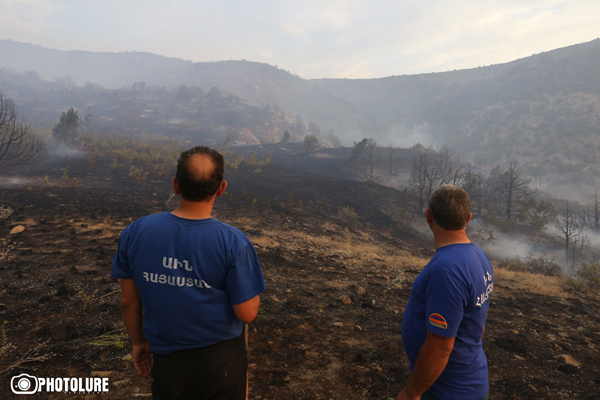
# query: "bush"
[[590, 275], [347, 213], [543, 264]]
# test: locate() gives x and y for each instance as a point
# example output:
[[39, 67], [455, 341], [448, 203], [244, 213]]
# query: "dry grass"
[[540, 284]]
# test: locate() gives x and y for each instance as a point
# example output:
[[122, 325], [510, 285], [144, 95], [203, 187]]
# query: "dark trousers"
[[216, 372], [429, 396]]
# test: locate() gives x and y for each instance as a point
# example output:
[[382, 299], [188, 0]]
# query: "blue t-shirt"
[[450, 298], [189, 273]]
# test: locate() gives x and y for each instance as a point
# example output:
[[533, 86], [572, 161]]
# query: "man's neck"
[[445, 238], [193, 209]]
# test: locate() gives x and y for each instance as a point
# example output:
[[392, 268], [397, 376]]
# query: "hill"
[[339, 260], [542, 111], [258, 84]]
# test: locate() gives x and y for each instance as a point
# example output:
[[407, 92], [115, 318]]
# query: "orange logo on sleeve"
[[438, 321]]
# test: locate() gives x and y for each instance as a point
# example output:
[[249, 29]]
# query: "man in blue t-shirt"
[[444, 320], [188, 284]]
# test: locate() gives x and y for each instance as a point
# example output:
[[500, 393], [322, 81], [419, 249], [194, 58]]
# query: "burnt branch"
[[18, 145]]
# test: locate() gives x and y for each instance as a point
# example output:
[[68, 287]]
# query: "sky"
[[311, 38]]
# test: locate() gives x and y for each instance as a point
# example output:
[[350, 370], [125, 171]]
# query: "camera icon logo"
[[24, 384]]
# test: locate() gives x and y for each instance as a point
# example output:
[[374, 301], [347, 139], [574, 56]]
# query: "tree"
[[570, 231], [435, 168], [364, 158], [590, 213], [286, 137], [534, 214], [66, 129], [392, 161], [18, 145], [507, 188], [311, 143]]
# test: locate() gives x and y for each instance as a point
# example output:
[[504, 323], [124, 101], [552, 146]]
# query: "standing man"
[[188, 284], [444, 320]]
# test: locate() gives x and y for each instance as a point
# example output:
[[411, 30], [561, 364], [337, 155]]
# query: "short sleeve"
[[120, 264], [245, 278], [445, 303]]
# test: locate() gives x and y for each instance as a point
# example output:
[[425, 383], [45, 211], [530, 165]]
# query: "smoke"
[[15, 181], [504, 246], [402, 136], [66, 151]]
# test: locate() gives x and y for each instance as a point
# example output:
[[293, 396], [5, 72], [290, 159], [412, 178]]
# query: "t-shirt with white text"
[[450, 298], [189, 273]]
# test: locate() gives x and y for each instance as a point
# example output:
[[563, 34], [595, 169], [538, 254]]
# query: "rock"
[[567, 359], [519, 357], [339, 324], [345, 299], [275, 299], [533, 388], [362, 290], [121, 383], [101, 374], [128, 357], [17, 229]]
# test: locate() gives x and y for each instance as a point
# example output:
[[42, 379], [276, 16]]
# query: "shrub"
[[347, 213], [590, 275], [5, 212], [543, 264]]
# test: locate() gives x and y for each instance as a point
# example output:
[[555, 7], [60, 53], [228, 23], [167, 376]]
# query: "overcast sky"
[[314, 39]]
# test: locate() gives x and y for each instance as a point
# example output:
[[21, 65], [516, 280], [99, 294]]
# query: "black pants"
[[429, 396], [216, 372]]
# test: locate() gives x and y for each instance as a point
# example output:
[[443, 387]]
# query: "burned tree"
[[507, 189], [432, 169], [590, 213], [365, 159], [18, 145], [570, 231]]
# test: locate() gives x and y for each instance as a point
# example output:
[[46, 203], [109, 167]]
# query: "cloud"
[[26, 20], [351, 38]]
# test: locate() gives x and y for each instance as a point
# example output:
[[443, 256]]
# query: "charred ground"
[[339, 261]]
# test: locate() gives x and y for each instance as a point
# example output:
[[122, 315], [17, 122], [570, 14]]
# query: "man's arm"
[[430, 364], [131, 308], [247, 311]]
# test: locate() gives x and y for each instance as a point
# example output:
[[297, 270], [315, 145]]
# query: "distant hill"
[[258, 84], [543, 110]]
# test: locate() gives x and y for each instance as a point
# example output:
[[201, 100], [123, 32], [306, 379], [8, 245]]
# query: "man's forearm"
[[134, 322], [430, 364]]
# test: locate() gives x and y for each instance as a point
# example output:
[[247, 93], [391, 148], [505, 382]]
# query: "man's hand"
[[131, 308], [404, 396], [142, 358], [430, 364]]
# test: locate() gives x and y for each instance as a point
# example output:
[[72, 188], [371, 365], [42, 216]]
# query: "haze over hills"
[[543, 110], [256, 83]]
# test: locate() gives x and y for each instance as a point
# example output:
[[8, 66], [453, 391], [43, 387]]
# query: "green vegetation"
[[67, 128]]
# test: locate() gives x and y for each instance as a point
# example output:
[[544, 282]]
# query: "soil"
[[329, 325]]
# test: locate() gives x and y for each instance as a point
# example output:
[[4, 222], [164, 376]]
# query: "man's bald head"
[[199, 173]]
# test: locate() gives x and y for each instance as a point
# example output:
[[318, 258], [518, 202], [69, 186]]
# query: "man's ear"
[[176, 186], [222, 188], [428, 217], [469, 218]]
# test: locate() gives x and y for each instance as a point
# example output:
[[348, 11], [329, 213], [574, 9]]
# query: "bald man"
[[188, 284]]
